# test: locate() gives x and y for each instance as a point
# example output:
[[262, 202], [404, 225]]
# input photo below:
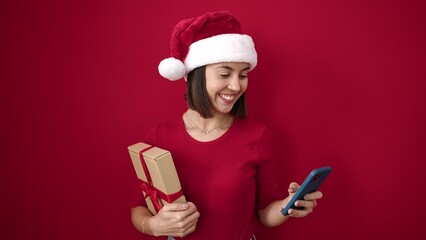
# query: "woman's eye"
[[243, 76], [224, 75]]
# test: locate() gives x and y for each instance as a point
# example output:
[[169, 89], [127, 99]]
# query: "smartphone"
[[310, 185]]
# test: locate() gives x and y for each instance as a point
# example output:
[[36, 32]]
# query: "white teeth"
[[228, 97]]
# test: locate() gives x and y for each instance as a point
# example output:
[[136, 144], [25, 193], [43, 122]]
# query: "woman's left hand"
[[308, 204]]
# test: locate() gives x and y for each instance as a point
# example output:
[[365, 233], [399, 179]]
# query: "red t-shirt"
[[228, 179]]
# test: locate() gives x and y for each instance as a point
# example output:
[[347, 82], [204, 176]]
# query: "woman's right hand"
[[175, 219]]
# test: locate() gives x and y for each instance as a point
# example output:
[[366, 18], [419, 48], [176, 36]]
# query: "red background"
[[341, 83]]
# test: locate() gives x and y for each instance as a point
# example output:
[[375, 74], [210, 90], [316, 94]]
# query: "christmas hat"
[[210, 38]]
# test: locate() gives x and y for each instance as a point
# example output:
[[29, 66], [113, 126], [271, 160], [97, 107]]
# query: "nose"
[[234, 84]]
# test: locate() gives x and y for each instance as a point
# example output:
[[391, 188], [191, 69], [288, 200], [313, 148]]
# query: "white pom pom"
[[171, 68]]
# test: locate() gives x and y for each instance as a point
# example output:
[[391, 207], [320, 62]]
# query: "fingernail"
[[184, 205]]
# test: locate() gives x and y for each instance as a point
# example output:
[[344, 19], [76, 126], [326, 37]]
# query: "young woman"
[[225, 161]]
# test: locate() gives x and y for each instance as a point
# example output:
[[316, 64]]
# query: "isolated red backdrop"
[[341, 83]]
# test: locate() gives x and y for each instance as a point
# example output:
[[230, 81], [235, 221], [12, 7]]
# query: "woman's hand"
[[308, 204], [175, 219], [271, 216]]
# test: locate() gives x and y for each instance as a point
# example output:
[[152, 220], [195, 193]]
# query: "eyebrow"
[[228, 67]]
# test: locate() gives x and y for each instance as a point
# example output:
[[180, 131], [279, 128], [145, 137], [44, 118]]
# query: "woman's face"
[[225, 83]]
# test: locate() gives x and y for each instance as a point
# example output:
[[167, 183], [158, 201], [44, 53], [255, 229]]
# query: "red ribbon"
[[150, 191]]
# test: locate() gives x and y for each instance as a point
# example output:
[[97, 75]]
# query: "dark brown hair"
[[198, 99]]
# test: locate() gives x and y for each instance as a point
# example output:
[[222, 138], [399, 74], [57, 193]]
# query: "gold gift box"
[[162, 173]]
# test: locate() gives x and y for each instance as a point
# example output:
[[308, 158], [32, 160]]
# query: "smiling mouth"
[[228, 97]]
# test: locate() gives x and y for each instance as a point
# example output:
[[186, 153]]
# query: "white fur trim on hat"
[[221, 48], [171, 68]]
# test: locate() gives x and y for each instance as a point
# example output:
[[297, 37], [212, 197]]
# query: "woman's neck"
[[206, 124], [206, 129]]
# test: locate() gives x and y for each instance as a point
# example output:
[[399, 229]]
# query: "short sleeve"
[[268, 187]]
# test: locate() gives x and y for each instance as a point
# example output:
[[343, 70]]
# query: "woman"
[[224, 161]]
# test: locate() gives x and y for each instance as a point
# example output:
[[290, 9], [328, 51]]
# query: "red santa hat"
[[210, 38]]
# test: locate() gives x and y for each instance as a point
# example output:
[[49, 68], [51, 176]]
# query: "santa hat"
[[211, 38]]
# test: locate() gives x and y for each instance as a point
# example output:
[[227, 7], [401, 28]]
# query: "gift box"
[[156, 171]]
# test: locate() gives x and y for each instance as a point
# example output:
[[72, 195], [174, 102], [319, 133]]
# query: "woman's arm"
[[175, 219], [139, 215], [271, 216]]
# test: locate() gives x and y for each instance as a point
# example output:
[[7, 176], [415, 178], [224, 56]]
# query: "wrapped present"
[[156, 171]]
